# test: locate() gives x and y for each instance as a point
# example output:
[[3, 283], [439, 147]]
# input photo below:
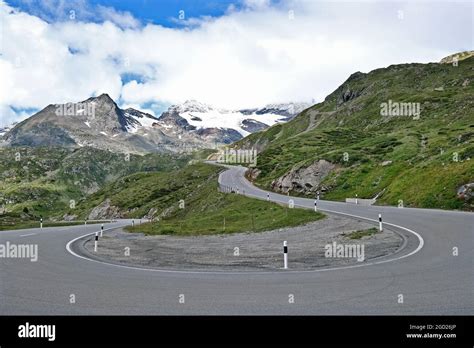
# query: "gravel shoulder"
[[245, 251]]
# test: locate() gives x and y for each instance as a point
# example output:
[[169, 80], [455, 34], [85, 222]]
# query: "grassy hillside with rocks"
[[186, 202], [48, 181], [350, 145]]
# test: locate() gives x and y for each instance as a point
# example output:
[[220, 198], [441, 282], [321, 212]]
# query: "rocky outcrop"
[[219, 135], [457, 57], [253, 126], [252, 174], [67, 217], [172, 118], [151, 213], [105, 211], [466, 192], [305, 179], [347, 95]]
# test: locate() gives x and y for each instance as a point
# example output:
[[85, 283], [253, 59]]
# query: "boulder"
[[304, 179], [466, 192], [252, 173]]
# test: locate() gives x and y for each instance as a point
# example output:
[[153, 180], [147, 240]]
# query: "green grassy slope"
[[45, 181], [202, 209], [431, 157]]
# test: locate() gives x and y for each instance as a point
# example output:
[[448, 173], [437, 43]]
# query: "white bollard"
[[357, 199], [268, 197], [41, 223], [315, 205], [133, 223], [101, 230], [285, 255], [380, 223], [96, 240]]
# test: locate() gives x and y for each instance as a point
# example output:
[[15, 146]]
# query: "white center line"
[[26, 235]]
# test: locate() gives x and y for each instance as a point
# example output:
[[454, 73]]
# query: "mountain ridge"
[[99, 122]]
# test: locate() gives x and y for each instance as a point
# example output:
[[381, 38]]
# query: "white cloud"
[[246, 58], [256, 4], [122, 19]]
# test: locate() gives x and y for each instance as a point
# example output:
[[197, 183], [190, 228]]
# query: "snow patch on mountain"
[[204, 116], [233, 120], [5, 129], [137, 120]]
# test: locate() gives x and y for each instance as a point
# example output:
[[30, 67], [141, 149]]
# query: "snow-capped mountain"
[[202, 116], [288, 110], [193, 119], [98, 122]]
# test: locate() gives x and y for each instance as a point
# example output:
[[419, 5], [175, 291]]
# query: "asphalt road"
[[427, 274]]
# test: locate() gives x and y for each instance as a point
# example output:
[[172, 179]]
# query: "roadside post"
[[96, 241], [285, 255], [380, 223]]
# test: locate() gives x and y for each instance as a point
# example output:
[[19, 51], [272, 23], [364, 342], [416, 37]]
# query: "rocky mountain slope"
[[403, 134], [96, 122]]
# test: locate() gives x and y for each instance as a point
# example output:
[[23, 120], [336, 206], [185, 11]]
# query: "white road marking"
[[420, 246], [420, 238], [26, 235]]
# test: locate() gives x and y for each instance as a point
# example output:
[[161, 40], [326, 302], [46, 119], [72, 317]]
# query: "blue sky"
[[230, 54], [162, 12]]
